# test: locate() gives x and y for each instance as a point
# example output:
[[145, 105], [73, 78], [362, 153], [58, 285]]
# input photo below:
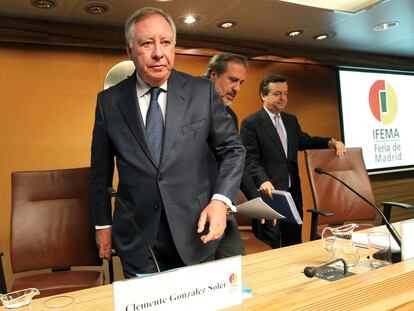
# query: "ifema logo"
[[383, 102], [233, 278]]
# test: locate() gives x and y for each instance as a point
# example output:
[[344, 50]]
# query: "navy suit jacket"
[[195, 121], [265, 156]]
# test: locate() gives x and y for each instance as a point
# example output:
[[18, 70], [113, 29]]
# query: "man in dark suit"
[[228, 72], [272, 139], [160, 125]]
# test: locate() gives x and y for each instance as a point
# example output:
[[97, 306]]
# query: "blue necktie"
[[154, 125]]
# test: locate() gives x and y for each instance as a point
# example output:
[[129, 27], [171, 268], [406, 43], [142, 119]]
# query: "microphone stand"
[[390, 227], [112, 193]]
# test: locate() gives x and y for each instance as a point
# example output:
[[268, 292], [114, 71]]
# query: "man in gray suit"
[[159, 125]]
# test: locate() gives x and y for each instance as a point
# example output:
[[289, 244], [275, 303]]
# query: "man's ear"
[[128, 50], [213, 76], [262, 96]]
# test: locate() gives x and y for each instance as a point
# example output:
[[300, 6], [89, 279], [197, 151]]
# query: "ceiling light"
[[324, 36], [321, 37], [190, 19], [294, 33], [386, 26], [343, 5], [96, 9], [226, 24], [44, 4]]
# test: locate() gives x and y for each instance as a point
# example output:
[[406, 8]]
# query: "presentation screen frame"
[[377, 114]]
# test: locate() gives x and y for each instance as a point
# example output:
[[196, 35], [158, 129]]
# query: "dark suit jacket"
[[195, 121], [265, 155], [247, 185]]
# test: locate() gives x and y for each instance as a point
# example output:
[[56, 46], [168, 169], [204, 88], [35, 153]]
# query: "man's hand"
[[266, 188], [215, 214], [339, 147], [103, 239], [274, 222]]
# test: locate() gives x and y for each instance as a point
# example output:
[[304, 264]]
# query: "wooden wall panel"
[[47, 102]]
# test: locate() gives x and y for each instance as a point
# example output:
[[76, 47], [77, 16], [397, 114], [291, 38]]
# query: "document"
[[361, 239], [258, 209], [283, 204]]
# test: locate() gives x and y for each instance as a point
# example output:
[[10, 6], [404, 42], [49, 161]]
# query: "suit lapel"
[[271, 130], [176, 106], [128, 105]]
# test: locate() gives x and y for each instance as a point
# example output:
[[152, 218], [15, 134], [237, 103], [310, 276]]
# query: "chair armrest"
[[398, 204], [314, 221], [320, 212], [387, 208], [3, 287]]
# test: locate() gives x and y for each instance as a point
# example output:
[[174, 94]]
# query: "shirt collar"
[[143, 88], [271, 114]]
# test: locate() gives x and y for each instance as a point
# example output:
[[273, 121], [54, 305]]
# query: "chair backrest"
[[118, 73], [330, 195], [51, 223]]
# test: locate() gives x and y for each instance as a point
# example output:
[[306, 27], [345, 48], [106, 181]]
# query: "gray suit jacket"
[[195, 121]]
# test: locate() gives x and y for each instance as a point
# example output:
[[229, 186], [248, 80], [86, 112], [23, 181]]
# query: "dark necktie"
[[154, 125]]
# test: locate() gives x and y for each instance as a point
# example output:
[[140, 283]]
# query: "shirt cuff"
[[102, 227], [225, 200]]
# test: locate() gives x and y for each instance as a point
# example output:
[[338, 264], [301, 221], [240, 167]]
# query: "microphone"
[[310, 272], [113, 194], [390, 227]]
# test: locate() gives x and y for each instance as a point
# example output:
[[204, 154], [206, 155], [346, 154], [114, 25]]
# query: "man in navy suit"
[[272, 139], [159, 125], [228, 72]]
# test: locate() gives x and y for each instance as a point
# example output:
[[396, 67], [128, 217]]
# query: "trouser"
[[283, 234], [230, 243], [164, 250]]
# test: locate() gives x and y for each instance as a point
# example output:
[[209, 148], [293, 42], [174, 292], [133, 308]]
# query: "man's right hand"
[[103, 239], [266, 188]]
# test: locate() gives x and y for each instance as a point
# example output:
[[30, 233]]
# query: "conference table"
[[277, 282]]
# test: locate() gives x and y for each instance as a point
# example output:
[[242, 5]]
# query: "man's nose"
[[157, 52], [236, 87]]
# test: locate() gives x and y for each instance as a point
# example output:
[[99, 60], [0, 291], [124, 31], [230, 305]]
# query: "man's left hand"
[[215, 214], [339, 147], [274, 222]]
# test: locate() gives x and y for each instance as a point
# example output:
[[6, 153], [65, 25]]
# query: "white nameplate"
[[209, 286], [407, 239]]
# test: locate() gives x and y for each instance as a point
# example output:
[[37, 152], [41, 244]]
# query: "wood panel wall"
[[47, 102]]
